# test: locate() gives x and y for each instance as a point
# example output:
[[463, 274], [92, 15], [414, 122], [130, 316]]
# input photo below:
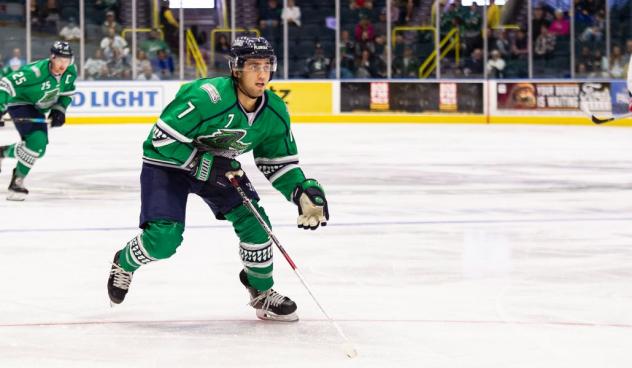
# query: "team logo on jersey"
[[159, 138], [49, 99], [224, 139], [213, 93]]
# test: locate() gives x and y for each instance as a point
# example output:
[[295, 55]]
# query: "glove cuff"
[[312, 188]]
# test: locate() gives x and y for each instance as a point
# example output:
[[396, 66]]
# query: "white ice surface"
[[448, 246]]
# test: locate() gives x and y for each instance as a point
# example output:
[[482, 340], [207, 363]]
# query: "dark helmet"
[[61, 49], [248, 47]]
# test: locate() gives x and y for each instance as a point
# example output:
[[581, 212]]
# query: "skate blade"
[[269, 316], [15, 196], [113, 305]]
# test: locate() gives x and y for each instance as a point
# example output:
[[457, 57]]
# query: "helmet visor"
[[240, 64]]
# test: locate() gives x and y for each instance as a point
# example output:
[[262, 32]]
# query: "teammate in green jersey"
[[28, 94], [191, 149]]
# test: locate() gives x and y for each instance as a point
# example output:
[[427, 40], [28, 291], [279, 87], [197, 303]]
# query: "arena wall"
[[366, 101]]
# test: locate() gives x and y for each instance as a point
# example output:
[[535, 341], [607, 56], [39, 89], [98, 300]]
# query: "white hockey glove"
[[313, 211]]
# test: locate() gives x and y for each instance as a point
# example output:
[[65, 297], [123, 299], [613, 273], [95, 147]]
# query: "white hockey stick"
[[603, 120], [347, 346]]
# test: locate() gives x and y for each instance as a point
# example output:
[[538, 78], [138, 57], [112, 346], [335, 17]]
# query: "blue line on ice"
[[340, 224]]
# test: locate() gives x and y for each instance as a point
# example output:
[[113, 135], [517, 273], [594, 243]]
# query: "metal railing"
[[430, 64], [193, 50]]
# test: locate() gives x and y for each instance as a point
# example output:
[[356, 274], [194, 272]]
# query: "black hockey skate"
[[118, 282], [270, 305], [17, 191]]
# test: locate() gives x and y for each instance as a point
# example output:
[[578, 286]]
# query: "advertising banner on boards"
[[411, 97]]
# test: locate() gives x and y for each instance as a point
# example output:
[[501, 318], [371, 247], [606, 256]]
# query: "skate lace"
[[122, 278], [269, 298]]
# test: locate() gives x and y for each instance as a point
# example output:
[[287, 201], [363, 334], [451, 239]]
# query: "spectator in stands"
[[400, 43], [318, 65], [222, 49], [70, 32], [378, 46], [16, 60], [560, 26], [163, 64], [474, 64], [364, 31], [113, 41], [361, 4], [582, 70], [472, 27], [365, 67], [110, 22], [361, 8], [147, 74], [595, 32], [617, 63], [270, 17], [45, 15], [493, 15], [406, 66], [628, 49], [96, 67], [585, 57], [520, 45], [108, 5], [496, 65], [348, 52], [170, 26], [379, 63], [584, 10], [600, 65], [395, 13], [501, 43], [118, 65], [153, 43], [142, 60], [408, 15], [292, 13], [380, 25], [453, 17], [544, 44], [539, 20]]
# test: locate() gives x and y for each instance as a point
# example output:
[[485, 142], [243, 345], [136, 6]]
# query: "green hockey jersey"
[[206, 115], [33, 84]]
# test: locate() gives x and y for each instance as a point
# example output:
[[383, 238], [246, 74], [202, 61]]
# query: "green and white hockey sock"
[[255, 247], [159, 240]]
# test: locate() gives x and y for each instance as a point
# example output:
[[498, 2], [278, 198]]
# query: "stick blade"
[[596, 120]]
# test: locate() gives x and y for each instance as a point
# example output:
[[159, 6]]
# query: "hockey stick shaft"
[[27, 120], [248, 203]]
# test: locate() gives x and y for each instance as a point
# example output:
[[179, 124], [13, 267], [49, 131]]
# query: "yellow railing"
[[410, 28], [453, 41], [227, 30], [508, 26], [125, 31], [193, 50]]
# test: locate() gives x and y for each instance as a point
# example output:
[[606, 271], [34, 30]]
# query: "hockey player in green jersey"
[[191, 149], [28, 94]]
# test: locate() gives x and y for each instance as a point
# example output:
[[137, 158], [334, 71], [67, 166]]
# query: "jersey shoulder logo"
[[224, 139], [213, 93]]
